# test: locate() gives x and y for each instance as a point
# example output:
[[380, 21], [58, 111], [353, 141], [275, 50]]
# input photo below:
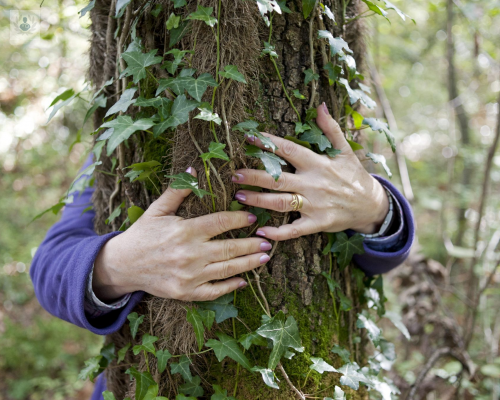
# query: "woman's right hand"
[[171, 257]]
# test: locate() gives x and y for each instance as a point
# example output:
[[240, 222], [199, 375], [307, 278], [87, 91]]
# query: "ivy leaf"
[[180, 396], [310, 75], [172, 66], [208, 80], [173, 21], [231, 72], [177, 34], [252, 338], [220, 394], [249, 128], [180, 114], [203, 14], [207, 115], [222, 307], [115, 214], [379, 158], [108, 352], [227, 346], [157, 10], [316, 136], [300, 128], [347, 247], [196, 321], [182, 367], [351, 377], [154, 102], [100, 101], [126, 100], [345, 302], [398, 323], [108, 395], [391, 6], [262, 215], [338, 394], [87, 8], [269, 49], [320, 365], [124, 126], [208, 317], [332, 284], [356, 116], [342, 352], [380, 126], [91, 369], [236, 206], [121, 5], [143, 380], [137, 62], [283, 333], [283, 6], [135, 321], [307, 7], [122, 352], [351, 66], [332, 152], [267, 376], [376, 9], [311, 113], [329, 13], [337, 45], [333, 72], [373, 330], [271, 161], [357, 94], [298, 95], [187, 181], [179, 3], [215, 150], [67, 97], [354, 145], [134, 213], [193, 387], [163, 356], [266, 6], [147, 345]]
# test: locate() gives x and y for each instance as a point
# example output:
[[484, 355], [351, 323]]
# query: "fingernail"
[[189, 170], [242, 284], [250, 138], [260, 233], [252, 218], [240, 197], [265, 246], [265, 258], [325, 108], [237, 178]]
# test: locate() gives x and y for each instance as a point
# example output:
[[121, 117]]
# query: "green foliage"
[[123, 127], [316, 136], [135, 321], [143, 381], [162, 356], [187, 181], [231, 72], [220, 394], [194, 318], [380, 126], [222, 307], [272, 163], [320, 365], [215, 150], [147, 345], [192, 388], [227, 346], [267, 376], [203, 14], [380, 159], [262, 215], [182, 367]]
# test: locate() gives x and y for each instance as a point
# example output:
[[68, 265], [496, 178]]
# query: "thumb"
[[171, 199], [331, 128]]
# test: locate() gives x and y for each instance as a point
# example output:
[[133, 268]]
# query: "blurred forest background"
[[440, 79]]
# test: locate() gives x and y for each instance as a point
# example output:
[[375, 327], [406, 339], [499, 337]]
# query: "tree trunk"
[[292, 280]]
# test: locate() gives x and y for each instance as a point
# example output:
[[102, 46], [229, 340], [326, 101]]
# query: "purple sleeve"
[[374, 262], [63, 262]]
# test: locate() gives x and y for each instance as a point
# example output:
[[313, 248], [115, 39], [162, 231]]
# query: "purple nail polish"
[[260, 233], [250, 138], [325, 108], [240, 197], [265, 246], [265, 258], [252, 218], [242, 284], [237, 178], [189, 170]]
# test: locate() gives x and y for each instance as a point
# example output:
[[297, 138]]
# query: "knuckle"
[[215, 293], [225, 270], [280, 204], [223, 222], [280, 184], [288, 149], [294, 234], [230, 250]]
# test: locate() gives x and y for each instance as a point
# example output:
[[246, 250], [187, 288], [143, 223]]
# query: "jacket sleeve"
[[62, 265], [374, 261]]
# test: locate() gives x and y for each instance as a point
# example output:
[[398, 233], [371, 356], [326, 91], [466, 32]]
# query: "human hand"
[[171, 257], [338, 193]]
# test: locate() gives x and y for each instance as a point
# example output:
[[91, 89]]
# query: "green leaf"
[[207, 115], [180, 114], [236, 206], [126, 100], [298, 95], [316, 136], [179, 3], [271, 161], [373, 330], [332, 152], [298, 141], [215, 150], [177, 34], [320, 365], [162, 356], [491, 370], [154, 102], [356, 116], [227, 346], [67, 97], [231, 72], [134, 213], [347, 247], [249, 128], [143, 380], [182, 367], [172, 66], [300, 128], [108, 395], [380, 126], [357, 94], [326, 250], [194, 318], [342, 352], [180, 396], [354, 145], [87, 8], [91, 369], [284, 334], [124, 126], [269, 49], [337, 45], [135, 321], [122, 352], [252, 338], [152, 392], [398, 323], [262, 215], [333, 72], [100, 101], [351, 377], [391, 6], [137, 62], [345, 303], [67, 94], [267, 376], [283, 6], [338, 395], [108, 352], [54, 209], [121, 5], [192, 388], [332, 284], [203, 14], [310, 76], [187, 181], [173, 21], [311, 113], [222, 307], [307, 7], [376, 9], [220, 394], [144, 166], [379, 158], [157, 10], [146, 345]]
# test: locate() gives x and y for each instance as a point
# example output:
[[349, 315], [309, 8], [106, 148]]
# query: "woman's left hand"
[[338, 193]]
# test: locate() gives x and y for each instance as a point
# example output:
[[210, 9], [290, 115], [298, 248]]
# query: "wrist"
[[376, 210]]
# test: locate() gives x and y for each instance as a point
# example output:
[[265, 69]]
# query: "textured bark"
[[292, 280]]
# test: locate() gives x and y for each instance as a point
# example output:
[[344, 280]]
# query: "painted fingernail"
[[189, 170], [260, 233], [240, 197], [325, 108], [252, 218], [237, 178], [242, 284], [250, 138], [265, 246], [265, 258]]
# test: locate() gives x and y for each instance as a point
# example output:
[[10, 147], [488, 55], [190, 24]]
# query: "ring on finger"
[[297, 202]]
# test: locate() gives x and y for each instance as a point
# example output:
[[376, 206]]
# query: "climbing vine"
[[167, 103]]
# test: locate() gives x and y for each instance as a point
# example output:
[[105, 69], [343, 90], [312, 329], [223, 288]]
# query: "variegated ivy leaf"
[[338, 395], [329, 13], [126, 100], [180, 114], [357, 94], [231, 72], [271, 161], [269, 49], [124, 126], [316, 136], [87, 8], [398, 323], [337, 45], [382, 127], [376, 9], [227, 346], [320, 365], [266, 6], [352, 376], [373, 330], [207, 115], [267, 376], [383, 388], [187, 181], [342, 352], [203, 14], [215, 150], [351, 66], [380, 159], [137, 62]]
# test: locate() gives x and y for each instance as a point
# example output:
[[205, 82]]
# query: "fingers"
[[331, 129], [281, 202], [212, 225], [297, 155], [286, 183], [298, 228], [170, 201], [212, 291], [226, 269], [221, 250]]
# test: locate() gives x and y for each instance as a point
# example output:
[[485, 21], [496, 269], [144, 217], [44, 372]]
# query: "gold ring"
[[296, 202]]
